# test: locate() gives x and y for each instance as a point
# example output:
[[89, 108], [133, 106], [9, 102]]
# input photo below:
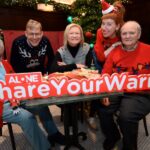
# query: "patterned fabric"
[[134, 62], [25, 58]]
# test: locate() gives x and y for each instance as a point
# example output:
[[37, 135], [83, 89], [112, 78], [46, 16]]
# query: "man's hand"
[[105, 101]]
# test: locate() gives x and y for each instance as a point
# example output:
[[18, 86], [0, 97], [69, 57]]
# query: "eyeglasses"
[[34, 34]]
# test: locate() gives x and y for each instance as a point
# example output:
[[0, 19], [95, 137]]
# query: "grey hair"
[[68, 27], [139, 29]]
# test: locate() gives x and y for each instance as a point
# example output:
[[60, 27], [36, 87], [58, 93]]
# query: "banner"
[[33, 85]]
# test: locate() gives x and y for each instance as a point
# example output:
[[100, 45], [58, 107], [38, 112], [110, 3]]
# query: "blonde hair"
[[33, 24], [68, 29], [1, 48]]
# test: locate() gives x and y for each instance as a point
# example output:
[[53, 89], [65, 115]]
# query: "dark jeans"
[[94, 106], [97, 63], [132, 108]]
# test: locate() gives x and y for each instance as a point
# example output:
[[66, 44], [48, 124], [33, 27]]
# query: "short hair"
[[1, 48], [32, 24], [137, 25], [68, 29]]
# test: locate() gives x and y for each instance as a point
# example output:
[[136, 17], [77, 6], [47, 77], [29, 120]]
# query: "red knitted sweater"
[[102, 44], [134, 62]]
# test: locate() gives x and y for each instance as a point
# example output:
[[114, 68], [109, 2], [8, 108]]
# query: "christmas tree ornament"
[[88, 35], [83, 14], [69, 19], [91, 45], [76, 19]]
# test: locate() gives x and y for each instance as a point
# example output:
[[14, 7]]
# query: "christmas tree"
[[87, 13]]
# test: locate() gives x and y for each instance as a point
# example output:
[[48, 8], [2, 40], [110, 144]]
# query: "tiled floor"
[[93, 141]]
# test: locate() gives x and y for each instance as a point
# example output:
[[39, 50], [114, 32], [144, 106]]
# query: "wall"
[[13, 22], [139, 10], [16, 18]]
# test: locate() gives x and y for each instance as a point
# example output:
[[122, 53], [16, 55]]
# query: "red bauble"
[[88, 34]]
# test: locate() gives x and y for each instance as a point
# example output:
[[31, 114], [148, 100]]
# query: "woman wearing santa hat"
[[107, 35], [106, 40]]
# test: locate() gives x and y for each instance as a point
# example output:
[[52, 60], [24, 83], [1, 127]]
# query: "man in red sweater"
[[133, 57]]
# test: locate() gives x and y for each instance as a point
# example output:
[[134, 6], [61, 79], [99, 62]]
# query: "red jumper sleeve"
[[108, 66], [99, 47]]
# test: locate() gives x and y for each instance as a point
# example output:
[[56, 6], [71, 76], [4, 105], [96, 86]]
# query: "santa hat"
[[106, 7]]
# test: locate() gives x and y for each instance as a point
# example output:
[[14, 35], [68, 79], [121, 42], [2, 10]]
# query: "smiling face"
[[109, 28], [34, 32], [74, 36], [130, 34]]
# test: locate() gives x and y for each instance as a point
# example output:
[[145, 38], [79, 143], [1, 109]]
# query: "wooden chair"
[[10, 133]]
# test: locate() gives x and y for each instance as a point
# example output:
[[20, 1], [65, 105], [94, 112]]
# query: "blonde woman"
[[75, 53]]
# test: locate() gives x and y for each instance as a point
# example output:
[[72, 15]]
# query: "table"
[[67, 99], [70, 108]]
